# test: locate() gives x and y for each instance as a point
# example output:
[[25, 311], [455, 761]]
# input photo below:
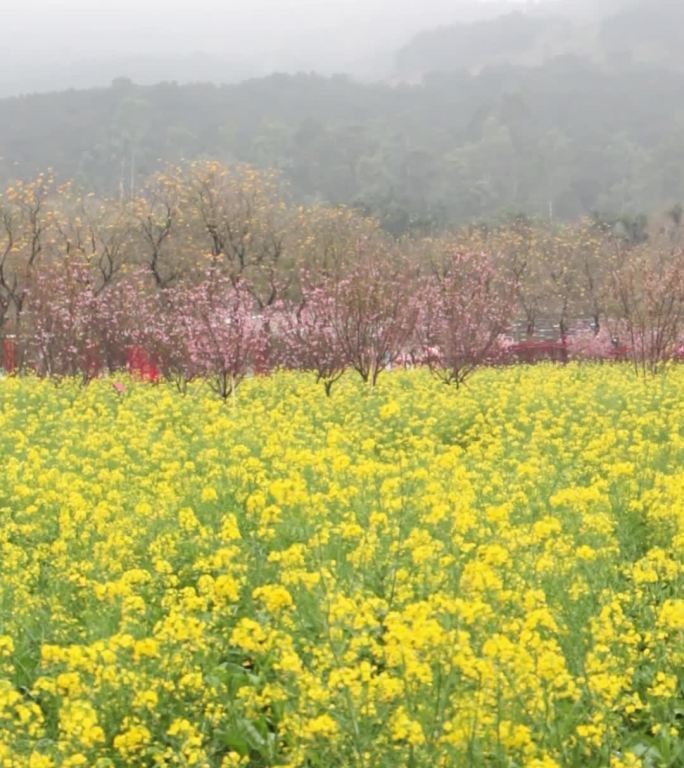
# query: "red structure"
[[538, 351], [9, 355], [140, 363]]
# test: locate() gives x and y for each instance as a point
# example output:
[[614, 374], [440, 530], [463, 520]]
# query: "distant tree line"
[[560, 141]]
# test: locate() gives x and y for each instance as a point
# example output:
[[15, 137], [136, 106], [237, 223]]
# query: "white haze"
[[57, 44]]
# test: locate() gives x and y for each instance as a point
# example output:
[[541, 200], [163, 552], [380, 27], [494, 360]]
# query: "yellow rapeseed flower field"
[[404, 576]]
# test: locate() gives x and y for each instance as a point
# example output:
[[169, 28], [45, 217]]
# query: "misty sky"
[[209, 25], [58, 41]]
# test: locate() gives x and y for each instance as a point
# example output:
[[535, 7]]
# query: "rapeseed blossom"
[[402, 576]]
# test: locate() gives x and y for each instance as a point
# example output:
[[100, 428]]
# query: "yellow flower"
[[132, 740], [323, 726], [273, 597], [209, 493], [6, 646], [38, 760], [376, 561], [404, 728], [671, 615]]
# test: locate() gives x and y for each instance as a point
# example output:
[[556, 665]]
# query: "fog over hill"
[[57, 44], [611, 34]]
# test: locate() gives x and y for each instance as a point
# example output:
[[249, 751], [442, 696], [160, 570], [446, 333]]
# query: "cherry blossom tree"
[[307, 335], [125, 315], [374, 310], [59, 331], [648, 290], [465, 310], [609, 343], [225, 338]]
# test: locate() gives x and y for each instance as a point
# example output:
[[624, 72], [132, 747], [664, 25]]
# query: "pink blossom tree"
[[74, 327], [374, 309], [224, 337], [60, 336], [465, 310], [307, 335], [125, 314], [606, 344], [648, 291]]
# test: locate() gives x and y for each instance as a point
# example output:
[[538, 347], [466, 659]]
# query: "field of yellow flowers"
[[404, 576]]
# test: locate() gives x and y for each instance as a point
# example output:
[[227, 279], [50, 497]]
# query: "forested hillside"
[[609, 33], [558, 137]]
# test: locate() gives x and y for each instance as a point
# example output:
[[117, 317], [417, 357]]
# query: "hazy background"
[[56, 44]]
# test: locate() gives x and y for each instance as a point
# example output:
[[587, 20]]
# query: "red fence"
[[537, 351], [141, 364], [9, 355]]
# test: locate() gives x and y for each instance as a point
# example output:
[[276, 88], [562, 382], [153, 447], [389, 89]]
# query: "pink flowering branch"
[[465, 312]]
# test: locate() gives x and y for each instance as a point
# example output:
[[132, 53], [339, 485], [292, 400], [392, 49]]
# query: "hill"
[[498, 123]]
